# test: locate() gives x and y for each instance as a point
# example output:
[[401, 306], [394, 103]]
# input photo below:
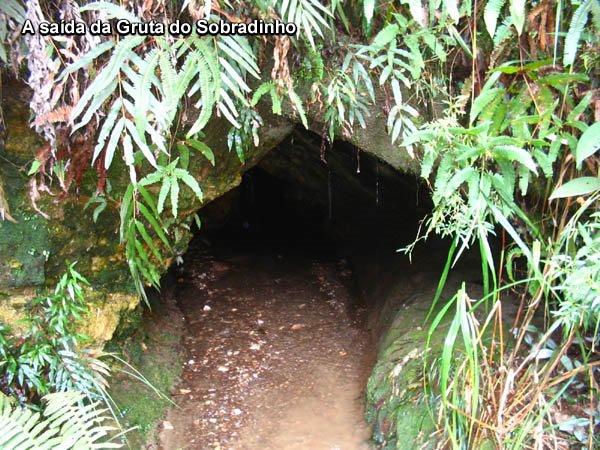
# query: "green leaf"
[[175, 196], [120, 54], [86, 59], [491, 14], [151, 218], [386, 35], [368, 9], [113, 141], [141, 143], [13, 9], [35, 165], [588, 144], [184, 156], [148, 240], [517, 12], [125, 211], [451, 7], [517, 154], [580, 108], [107, 126], [162, 195], [202, 148], [97, 102], [142, 87], [576, 187], [239, 50], [297, 103], [578, 21], [482, 100], [192, 184]]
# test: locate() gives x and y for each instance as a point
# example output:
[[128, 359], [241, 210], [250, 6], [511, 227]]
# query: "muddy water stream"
[[275, 354]]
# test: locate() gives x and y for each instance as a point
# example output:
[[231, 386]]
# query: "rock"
[[34, 250]]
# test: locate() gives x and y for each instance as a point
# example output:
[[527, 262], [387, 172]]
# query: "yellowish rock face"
[[105, 313]]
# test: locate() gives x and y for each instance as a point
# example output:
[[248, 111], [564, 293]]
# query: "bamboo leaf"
[[577, 187], [588, 144]]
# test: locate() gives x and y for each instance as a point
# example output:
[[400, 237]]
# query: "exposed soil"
[[275, 354]]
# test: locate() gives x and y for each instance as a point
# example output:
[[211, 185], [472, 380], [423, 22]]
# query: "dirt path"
[[274, 359]]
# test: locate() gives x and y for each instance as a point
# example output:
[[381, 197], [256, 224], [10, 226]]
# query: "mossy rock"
[[398, 408], [35, 249], [155, 350]]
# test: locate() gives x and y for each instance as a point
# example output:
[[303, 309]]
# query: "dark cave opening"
[[340, 201]]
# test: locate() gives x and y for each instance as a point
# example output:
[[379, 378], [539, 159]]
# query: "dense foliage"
[[47, 362], [499, 102]]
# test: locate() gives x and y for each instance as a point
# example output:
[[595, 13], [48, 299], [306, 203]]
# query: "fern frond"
[[208, 82], [578, 22], [171, 84], [96, 104], [239, 50], [109, 73], [491, 15], [227, 107], [146, 79], [14, 9], [66, 423], [86, 59], [115, 135], [308, 14], [112, 11]]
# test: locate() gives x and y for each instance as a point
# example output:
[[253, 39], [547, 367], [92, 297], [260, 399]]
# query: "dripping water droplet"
[[329, 192], [377, 183]]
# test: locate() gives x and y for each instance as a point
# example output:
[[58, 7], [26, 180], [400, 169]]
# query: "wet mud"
[[276, 353]]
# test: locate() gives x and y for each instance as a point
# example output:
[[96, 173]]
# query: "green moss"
[[398, 408], [154, 350], [139, 405], [25, 247]]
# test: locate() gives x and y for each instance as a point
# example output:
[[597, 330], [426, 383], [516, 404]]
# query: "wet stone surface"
[[275, 359]]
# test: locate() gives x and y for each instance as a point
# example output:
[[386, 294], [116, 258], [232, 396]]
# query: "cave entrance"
[[303, 196], [278, 350]]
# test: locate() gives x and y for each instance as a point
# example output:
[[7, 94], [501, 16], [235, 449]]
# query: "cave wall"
[[33, 250], [358, 199]]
